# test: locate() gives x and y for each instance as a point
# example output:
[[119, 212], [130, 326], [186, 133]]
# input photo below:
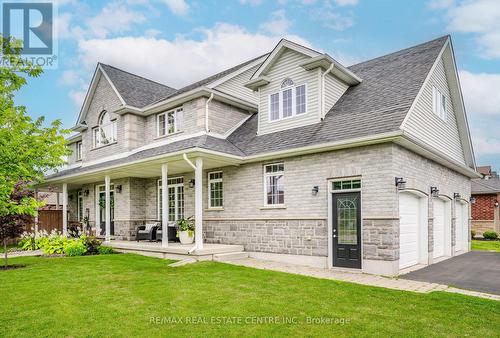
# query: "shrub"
[[55, 244], [75, 247], [490, 235], [472, 234], [105, 250], [92, 244]]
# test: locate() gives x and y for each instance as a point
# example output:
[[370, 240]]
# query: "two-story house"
[[290, 154]]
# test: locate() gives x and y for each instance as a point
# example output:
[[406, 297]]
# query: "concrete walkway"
[[356, 277], [23, 253]]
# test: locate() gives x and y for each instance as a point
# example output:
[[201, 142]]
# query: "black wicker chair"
[[146, 232], [172, 232]]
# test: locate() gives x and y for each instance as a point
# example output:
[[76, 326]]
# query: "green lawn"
[[118, 295], [486, 245]]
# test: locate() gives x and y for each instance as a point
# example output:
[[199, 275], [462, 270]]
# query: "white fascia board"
[[73, 138], [90, 92], [271, 58], [341, 72], [236, 72]]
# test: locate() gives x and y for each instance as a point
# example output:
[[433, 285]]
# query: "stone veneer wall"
[[296, 237]]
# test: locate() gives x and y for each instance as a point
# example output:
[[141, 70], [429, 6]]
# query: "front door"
[[347, 230]]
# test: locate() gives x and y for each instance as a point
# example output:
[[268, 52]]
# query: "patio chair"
[[146, 232], [172, 232]]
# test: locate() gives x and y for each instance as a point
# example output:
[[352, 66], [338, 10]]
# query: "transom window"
[[215, 190], [175, 187], [169, 122], [346, 185], [438, 103], [288, 102], [79, 150], [274, 184], [105, 132]]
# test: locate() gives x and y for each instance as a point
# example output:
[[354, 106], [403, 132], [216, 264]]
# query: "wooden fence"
[[49, 220]]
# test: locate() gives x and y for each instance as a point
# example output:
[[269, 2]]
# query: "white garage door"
[[409, 216], [438, 228]]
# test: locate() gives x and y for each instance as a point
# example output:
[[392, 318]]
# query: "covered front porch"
[[114, 201]]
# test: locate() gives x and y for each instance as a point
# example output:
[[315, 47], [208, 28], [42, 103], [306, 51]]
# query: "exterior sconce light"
[[192, 183], [315, 190], [456, 196], [70, 197], [399, 183], [86, 192], [496, 204], [434, 192], [119, 189], [472, 199]]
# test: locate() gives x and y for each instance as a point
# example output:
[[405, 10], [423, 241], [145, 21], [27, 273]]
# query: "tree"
[[28, 149]]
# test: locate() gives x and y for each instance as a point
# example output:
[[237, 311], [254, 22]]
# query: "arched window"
[[105, 132]]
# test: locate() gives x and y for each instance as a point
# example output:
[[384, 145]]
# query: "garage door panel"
[[438, 228], [409, 211]]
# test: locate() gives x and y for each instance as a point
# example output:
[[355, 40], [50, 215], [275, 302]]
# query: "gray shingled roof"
[[482, 186], [205, 142], [378, 105], [136, 90]]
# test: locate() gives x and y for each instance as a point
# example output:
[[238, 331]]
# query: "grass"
[[486, 245], [118, 295]]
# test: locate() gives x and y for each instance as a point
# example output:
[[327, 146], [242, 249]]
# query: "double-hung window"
[[215, 190], [288, 102], [274, 184], [175, 188], [438, 103], [79, 150], [168, 122]]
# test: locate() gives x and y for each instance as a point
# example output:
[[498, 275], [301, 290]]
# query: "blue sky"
[[180, 41]]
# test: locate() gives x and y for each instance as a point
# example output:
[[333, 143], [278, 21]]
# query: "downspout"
[[206, 111], [323, 90], [184, 156]]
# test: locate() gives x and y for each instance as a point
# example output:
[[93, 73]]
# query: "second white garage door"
[[409, 219], [439, 228]]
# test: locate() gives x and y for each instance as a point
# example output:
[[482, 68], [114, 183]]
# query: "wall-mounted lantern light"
[[434, 192], [400, 183], [315, 190], [496, 204], [456, 196], [119, 188], [86, 192], [472, 199], [192, 183]]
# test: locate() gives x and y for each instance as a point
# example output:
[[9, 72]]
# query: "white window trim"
[[165, 113], [437, 103], [265, 176], [280, 103], [96, 144], [158, 199], [210, 188], [79, 150], [79, 202]]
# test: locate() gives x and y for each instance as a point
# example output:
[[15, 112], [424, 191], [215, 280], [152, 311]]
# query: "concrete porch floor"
[[176, 251]]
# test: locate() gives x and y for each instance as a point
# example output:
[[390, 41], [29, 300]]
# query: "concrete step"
[[229, 256], [183, 262]]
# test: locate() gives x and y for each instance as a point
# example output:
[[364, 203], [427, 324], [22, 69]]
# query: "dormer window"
[[105, 132], [169, 122], [290, 101]]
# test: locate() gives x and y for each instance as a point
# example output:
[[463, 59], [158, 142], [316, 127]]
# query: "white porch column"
[[164, 205], [58, 204], [107, 211], [198, 203], [65, 208]]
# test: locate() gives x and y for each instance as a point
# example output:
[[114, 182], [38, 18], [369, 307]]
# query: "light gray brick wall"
[[222, 117]]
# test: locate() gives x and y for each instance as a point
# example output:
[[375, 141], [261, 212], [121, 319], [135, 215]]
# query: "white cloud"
[[113, 18], [481, 17], [151, 33], [178, 7], [481, 93], [278, 25], [346, 2], [180, 61], [69, 78], [331, 19]]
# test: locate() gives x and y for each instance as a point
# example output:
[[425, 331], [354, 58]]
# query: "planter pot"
[[185, 238]]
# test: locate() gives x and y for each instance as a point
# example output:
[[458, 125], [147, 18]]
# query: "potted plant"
[[185, 230]]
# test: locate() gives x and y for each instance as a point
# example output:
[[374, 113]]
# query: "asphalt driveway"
[[475, 270]]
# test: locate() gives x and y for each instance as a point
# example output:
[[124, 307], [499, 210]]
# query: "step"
[[183, 262], [224, 257]]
